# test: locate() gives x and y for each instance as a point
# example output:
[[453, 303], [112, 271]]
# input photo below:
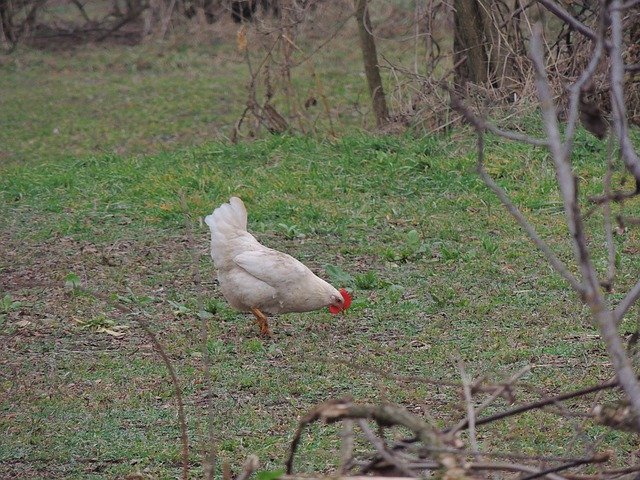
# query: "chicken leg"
[[261, 318]]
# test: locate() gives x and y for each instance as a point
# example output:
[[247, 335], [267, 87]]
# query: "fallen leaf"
[[111, 332]]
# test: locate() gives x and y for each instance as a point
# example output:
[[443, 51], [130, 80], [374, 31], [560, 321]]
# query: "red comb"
[[347, 298], [347, 302]]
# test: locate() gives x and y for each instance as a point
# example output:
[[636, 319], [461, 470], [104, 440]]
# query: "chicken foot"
[[261, 318]]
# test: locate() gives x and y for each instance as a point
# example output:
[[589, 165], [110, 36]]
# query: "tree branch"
[[618, 109], [591, 293]]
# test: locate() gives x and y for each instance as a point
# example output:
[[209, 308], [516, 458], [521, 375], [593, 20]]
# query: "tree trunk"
[[370, 57], [469, 42], [6, 14], [496, 39]]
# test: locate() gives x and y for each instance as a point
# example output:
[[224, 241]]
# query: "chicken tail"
[[225, 223], [227, 216]]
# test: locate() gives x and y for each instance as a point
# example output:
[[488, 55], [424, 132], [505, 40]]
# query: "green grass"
[[98, 100], [437, 268]]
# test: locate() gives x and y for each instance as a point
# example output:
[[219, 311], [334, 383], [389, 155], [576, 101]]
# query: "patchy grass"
[[436, 265], [112, 99]]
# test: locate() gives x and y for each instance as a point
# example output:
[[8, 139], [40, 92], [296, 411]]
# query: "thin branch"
[[575, 90], [471, 415], [380, 447], [618, 197], [251, 464], [627, 302], [554, 143], [512, 467], [518, 137], [618, 108], [544, 402], [598, 457], [83, 12], [346, 446], [604, 474], [608, 224], [551, 257], [126, 19], [483, 466], [464, 423], [591, 294], [569, 19], [385, 415], [557, 468], [167, 18], [165, 358]]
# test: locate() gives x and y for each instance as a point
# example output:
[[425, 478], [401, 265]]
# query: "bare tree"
[[370, 57], [469, 42], [607, 45]]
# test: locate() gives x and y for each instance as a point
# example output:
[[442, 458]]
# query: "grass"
[[153, 97], [102, 149], [436, 266]]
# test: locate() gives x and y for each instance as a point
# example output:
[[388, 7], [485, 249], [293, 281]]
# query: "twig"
[[518, 137], [605, 473], [575, 90], [126, 19], [346, 446], [551, 257], [480, 466], [471, 414], [544, 402], [83, 12], [333, 477], [165, 358], [463, 423], [167, 18], [608, 226], [569, 19], [385, 415], [626, 303], [617, 197], [618, 108], [250, 465], [378, 444], [558, 468], [602, 457], [512, 467]]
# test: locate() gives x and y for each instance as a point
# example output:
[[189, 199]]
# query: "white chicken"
[[257, 279]]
